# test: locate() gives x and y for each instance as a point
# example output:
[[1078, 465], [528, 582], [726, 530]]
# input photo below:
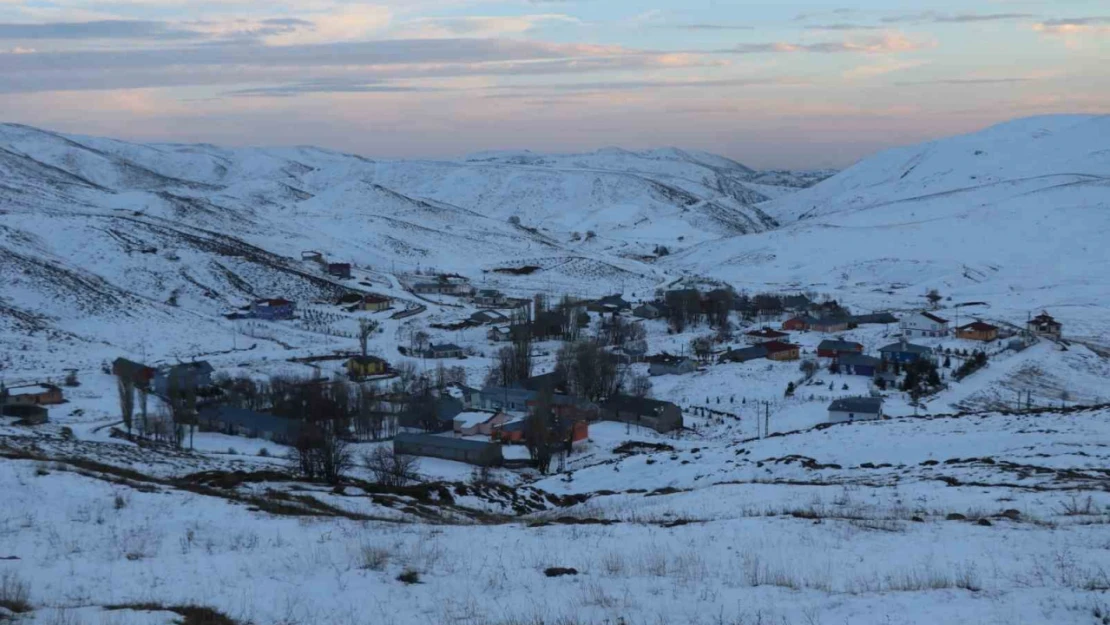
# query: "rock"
[[917, 519], [955, 516], [984, 523], [1011, 514], [558, 571]]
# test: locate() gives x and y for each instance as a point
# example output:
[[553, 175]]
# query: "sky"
[[786, 84]]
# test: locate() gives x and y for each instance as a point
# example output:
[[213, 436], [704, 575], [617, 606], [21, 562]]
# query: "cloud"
[[1074, 26], [325, 86], [480, 26], [965, 81], [346, 65], [711, 27], [102, 29], [889, 43], [842, 26], [886, 66], [949, 18]]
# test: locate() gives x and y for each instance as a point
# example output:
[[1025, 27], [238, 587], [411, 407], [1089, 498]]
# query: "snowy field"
[[953, 511]]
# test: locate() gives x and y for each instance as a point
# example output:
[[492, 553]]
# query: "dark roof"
[[829, 321], [552, 380], [853, 359], [978, 326], [614, 301], [367, 359], [132, 369], [767, 333], [746, 354], [774, 347], [665, 359], [868, 405], [1045, 319], [445, 347], [489, 293], [795, 301], [446, 442], [839, 346], [339, 265], [250, 419], [638, 405], [875, 318], [929, 315], [200, 365], [273, 302], [374, 298], [906, 348]]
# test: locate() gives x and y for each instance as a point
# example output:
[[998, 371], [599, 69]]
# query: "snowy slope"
[[101, 238], [1014, 215]]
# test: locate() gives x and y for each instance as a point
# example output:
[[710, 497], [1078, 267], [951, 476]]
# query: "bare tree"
[[538, 437], [126, 390], [702, 347], [588, 369], [144, 420], [934, 297], [320, 453], [366, 327], [640, 386], [390, 468]]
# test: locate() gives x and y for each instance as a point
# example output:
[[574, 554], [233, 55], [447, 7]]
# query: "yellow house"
[[374, 303], [363, 366]]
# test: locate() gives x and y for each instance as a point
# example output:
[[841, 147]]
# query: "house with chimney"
[[1045, 325], [904, 352]]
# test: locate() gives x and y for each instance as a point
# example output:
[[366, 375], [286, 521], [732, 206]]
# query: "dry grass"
[[15, 593]]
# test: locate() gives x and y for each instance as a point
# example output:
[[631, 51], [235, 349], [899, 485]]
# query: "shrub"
[[263, 453], [409, 576], [15, 594], [120, 502], [374, 558]]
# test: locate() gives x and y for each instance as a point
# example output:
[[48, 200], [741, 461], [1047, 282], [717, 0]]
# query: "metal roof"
[[446, 442], [866, 405]]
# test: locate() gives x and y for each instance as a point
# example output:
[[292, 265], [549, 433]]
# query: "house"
[[609, 304], [478, 453], [445, 350], [339, 270], [471, 422], [488, 316], [1044, 325], [764, 335], [661, 416], [312, 256], [248, 423], [27, 414], [273, 309], [373, 302], [903, 352], [798, 324], [359, 367], [831, 349], [499, 335], [923, 324], [873, 319], [469, 396], [744, 355], [649, 310], [666, 364], [777, 350], [852, 363], [435, 415], [183, 376], [829, 325], [489, 297], [796, 303], [137, 374], [977, 331], [850, 409], [35, 395]]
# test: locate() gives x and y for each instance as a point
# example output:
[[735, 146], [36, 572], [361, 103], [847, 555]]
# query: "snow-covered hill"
[[102, 240], [1015, 215]]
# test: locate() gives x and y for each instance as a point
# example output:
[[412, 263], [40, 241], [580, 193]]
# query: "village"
[[471, 375]]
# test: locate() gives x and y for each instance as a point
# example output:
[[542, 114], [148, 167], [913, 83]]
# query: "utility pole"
[[766, 419]]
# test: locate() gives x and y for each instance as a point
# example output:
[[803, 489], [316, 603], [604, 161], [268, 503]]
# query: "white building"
[[923, 324]]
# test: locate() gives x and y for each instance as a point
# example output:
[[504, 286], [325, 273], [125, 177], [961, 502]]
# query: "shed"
[[830, 348], [858, 364], [661, 416], [977, 331], [849, 409], [479, 453]]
